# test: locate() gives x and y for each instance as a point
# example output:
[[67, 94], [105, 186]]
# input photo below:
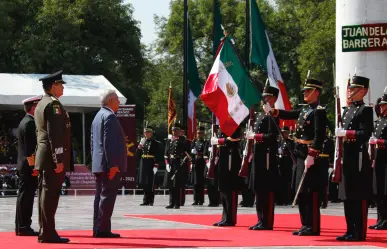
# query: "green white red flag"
[[229, 93], [262, 54]]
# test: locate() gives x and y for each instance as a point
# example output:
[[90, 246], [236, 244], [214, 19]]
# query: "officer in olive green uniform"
[[53, 154]]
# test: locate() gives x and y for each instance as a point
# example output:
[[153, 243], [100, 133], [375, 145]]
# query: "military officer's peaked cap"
[[32, 100], [359, 82], [176, 126], [52, 78], [312, 84], [148, 129], [285, 128], [383, 99], [270, 91], [201, 129]]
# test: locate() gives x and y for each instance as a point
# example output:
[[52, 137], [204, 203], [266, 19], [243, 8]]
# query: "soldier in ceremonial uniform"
[[248, 195], [186, 170], [53, 154], [28, 180], [176, 150], [264, 173], [309, 138], [286, 147], [228, 179], [356, 185], [212, 184], [198, 166], [378, 144], [147, 150], [327, 154]]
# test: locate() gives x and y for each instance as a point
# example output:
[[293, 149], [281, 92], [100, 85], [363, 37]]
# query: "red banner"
[[81, 180], [127, 117]]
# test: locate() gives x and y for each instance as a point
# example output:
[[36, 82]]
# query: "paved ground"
[[75, 213]]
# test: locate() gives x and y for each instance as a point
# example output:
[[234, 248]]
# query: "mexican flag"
[[229, 93], [261, 54], [194, 88]]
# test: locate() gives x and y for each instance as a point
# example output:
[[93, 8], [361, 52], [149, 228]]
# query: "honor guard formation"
[[267, 162], [271, 164]]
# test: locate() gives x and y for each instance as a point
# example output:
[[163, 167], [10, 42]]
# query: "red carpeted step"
[[239, 236]]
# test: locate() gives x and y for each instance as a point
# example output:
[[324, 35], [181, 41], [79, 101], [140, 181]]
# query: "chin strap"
[[311, 93]]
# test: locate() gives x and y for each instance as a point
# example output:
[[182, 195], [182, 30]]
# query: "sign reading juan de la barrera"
[[366, 37]]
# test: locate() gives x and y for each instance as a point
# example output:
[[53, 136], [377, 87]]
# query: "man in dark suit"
[[109, 156], [53, 154], [25, 166]]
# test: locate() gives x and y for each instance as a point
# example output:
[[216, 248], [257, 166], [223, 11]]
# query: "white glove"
[[340, 132], [250, 135], [267, 108], [169, 136], [214, 141], [168, 168], [373, 140], [155, 169], [193, 151], [210, 149], [309, 161]]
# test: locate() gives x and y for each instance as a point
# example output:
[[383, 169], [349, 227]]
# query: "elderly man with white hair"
[[108, 150]]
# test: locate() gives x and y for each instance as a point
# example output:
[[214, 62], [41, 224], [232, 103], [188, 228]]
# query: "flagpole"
[[247, 52], [247, 35], [185, 73], [215, 6]]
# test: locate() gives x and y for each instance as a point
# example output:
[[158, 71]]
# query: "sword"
[[361, 158], [229, 161], [299, 187], [267, 160], [181, 166], [153, 183]]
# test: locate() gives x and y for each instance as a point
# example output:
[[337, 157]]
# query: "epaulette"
[[319, 107]]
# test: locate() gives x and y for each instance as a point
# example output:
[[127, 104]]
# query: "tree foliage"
[[302, 35], [79, 36]]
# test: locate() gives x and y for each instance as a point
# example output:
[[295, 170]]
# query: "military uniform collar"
[[30, 115], [314, 104], [52, 96], [357, 103]]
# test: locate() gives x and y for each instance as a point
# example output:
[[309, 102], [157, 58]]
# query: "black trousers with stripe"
[[309, 208], [265, 208], [175, 196], [381, 207], [356, 215], [229, 201]]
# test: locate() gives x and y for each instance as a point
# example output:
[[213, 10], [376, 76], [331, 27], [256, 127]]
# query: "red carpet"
[[239, 236]]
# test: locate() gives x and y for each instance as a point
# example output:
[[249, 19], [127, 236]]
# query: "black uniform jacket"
[[356, 182], [264, 173], [310, 136]]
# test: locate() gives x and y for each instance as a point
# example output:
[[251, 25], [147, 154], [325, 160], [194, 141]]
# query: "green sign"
[[366, 37]]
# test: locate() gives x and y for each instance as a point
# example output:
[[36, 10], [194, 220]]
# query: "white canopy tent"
[[81, 93]]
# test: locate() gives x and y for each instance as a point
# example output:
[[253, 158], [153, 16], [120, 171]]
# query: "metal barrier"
[[122, 190]]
